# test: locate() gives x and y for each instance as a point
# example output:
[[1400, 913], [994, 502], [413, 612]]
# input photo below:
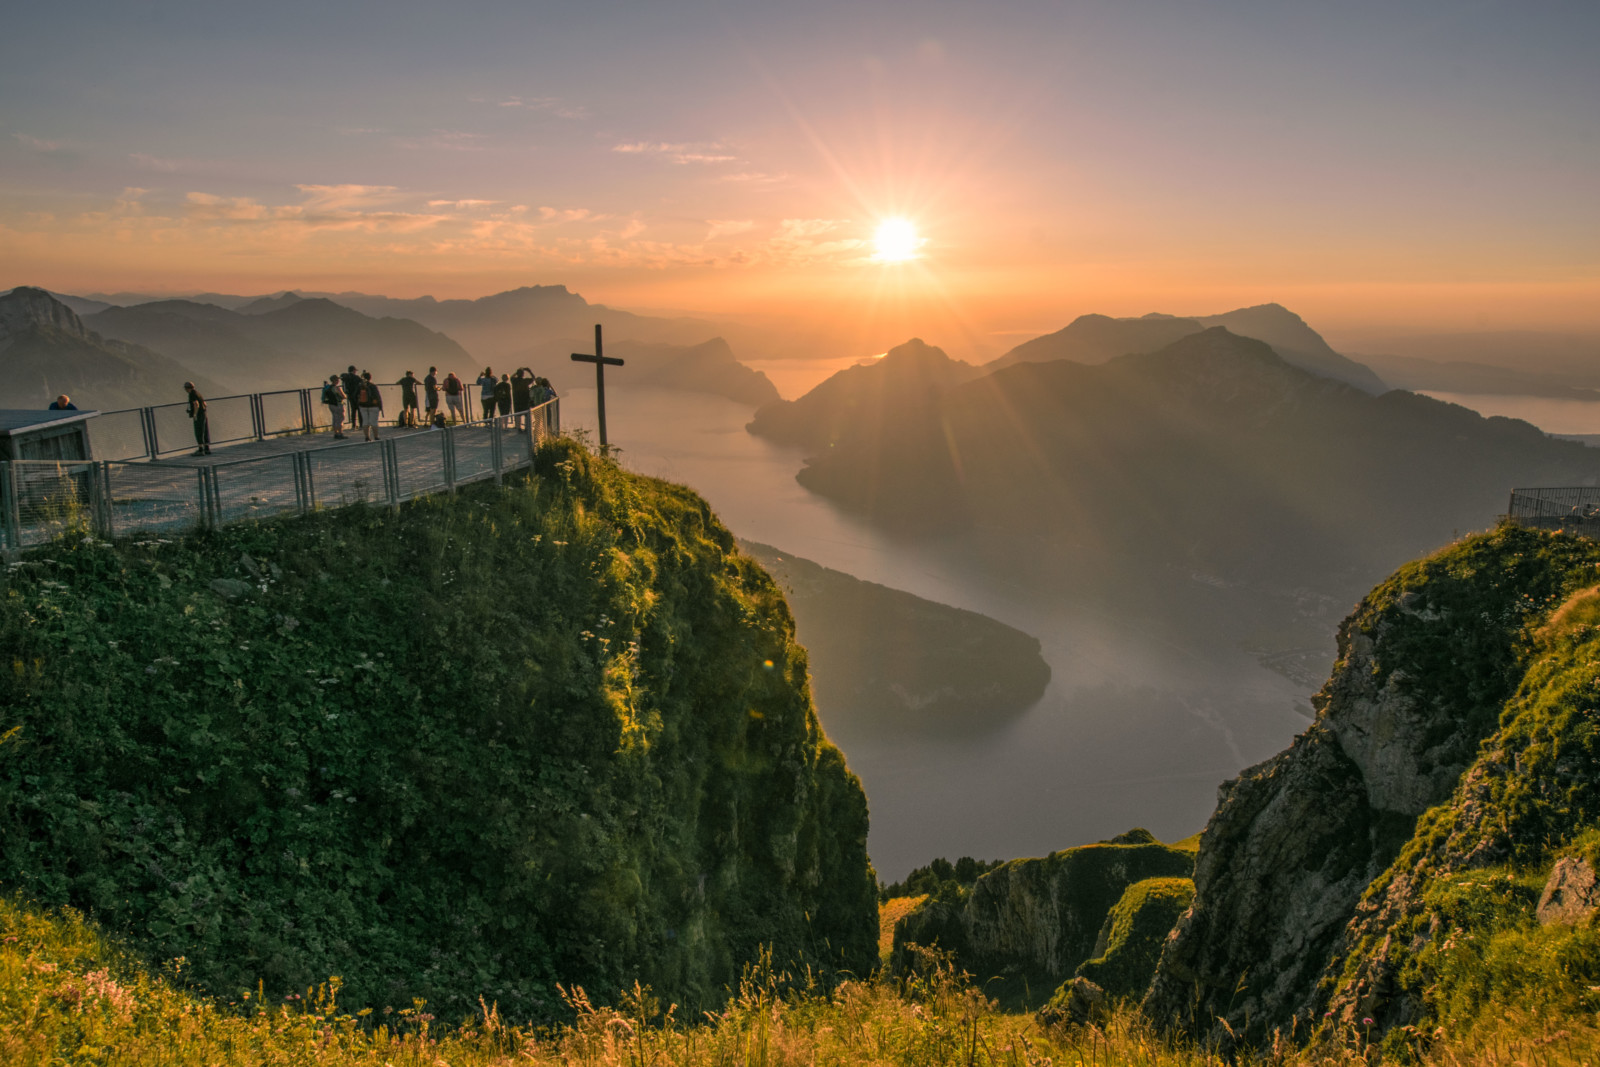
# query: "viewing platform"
[[272, 454]]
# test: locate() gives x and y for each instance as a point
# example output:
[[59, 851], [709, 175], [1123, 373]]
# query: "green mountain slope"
[[1390, 865], [558, 732]]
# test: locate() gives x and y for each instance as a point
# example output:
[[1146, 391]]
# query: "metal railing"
[[42, 499], [1572, 508], [166, 429]]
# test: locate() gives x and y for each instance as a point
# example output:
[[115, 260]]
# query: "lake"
[[1140, 724]]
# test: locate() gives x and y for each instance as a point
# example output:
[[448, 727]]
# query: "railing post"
[[494, 450], [447, 446], [12, 506], [105, 527], [258, 417], [152, 441], [391, 473]]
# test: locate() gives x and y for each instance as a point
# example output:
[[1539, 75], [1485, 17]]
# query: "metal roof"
[[21, 420]]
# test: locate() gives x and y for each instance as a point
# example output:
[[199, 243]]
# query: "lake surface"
[[1551, 416], [1138, 727]]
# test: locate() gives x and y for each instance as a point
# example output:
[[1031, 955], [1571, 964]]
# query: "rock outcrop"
[[1426, 665], [1570, 894], [1024, 927], [1129, 946]]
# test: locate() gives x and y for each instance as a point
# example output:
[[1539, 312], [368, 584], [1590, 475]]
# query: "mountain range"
[[47, 350]]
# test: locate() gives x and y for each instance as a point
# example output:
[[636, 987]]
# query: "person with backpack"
[[352, 395], [333, 396], [430, 389], [371, 406], [454, 390], [486, 384], [408, 399], [502, 394]]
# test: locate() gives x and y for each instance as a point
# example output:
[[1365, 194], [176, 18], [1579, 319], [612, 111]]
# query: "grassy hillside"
[[558, 731]]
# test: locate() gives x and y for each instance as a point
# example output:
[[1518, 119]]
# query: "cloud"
[[553, 105], [576, 214], [462, 205], [682, 152], [727, 227], [148, 162], [39, 144], [346, 196], [443, 141], [209, 207]]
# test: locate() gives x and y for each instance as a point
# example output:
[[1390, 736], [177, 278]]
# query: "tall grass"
[[67, 996]]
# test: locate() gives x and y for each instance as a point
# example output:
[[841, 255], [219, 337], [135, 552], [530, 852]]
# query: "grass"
[[69, 996], [889, 913]]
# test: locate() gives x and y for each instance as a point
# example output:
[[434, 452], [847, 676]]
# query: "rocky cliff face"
[[25, 308], [1031, 922], [1299, 845]]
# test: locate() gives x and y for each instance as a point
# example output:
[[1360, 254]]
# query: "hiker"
[[371, 406], [408, 399], [430, 390], [453, 390], [502, 394], [486, 384], [202, 426], [352, 393], [522, 389], [63, 403], [333, 396]]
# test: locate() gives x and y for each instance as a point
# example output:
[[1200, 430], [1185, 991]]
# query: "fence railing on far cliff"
[[42, 499], [1572, 508]]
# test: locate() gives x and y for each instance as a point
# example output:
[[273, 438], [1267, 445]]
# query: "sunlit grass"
[[68, 996]]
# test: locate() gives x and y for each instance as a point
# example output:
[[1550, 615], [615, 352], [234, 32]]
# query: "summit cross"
[[600, 361]]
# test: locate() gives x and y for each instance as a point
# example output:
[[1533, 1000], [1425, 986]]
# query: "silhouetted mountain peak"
[[26, 307], [271, 303]]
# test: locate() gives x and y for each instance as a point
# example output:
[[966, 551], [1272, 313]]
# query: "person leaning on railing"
[[63, 403], [502, 394], [454, 396], [333, 396], [408, 399], [430, 389], [352, 393], [202, 425]]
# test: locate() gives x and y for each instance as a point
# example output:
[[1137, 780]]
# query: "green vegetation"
[[555, 732], [932, 879], [67, 996], [1025, 926], [1129, 945]]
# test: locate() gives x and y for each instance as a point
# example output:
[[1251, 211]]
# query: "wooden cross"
[[600, 360]]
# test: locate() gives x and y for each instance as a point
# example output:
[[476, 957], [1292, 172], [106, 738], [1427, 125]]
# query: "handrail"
[[112, 497], [150, 446]]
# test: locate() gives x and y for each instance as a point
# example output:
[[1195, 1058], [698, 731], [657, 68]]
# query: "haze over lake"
[[1143, 717]]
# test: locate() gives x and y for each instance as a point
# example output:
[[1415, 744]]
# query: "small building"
[[34, 434]]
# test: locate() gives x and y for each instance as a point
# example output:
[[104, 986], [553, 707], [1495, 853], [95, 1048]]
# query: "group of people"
[[360, 395]]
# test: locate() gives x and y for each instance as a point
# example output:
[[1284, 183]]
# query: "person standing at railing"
[[408, 399], [371, 406], [522, 389], [486, 384], [502, 394], [63, 403], [352, 394], [454, 393], [202, 425], [333, 396], [430, 390]]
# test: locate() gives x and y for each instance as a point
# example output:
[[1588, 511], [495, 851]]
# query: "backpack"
[[328, 396]]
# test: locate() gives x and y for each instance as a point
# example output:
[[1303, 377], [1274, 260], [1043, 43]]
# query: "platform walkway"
[[261, 475]]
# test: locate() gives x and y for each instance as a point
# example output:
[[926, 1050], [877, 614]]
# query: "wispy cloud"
[[553, 105], [347, 196], [680, 152], [444, 141], [145, 161], [39, 144], [727, 227], [572, 214], [462, 205]]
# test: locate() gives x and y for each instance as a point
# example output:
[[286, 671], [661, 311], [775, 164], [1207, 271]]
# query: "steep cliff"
[[553, 732], [1430, 666], [1025, 927]]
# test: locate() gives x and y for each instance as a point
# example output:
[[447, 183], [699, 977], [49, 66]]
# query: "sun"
[[896, 241]]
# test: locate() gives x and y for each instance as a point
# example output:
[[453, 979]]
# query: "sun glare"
[[896, 241]]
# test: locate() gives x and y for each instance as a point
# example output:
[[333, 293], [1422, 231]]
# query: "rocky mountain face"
[[1026, 926], [1096, 339], [47, 350], [1453, 762]]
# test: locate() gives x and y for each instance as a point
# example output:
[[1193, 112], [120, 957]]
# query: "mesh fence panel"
[[153, 498], [229, 421], [256, 489], [280, 412], [474, 453], [419, 460], [52, 498], [117, 435], [1574, 508], [347, 475]]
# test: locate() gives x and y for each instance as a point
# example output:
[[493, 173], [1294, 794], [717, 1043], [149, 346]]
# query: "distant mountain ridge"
[[47, 350], [1098, 338]]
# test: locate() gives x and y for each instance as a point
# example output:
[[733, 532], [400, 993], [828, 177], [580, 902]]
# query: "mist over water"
[[1142, 720]]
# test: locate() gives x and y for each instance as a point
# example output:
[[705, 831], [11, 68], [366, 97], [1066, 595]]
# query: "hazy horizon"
[[1379, 171]]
